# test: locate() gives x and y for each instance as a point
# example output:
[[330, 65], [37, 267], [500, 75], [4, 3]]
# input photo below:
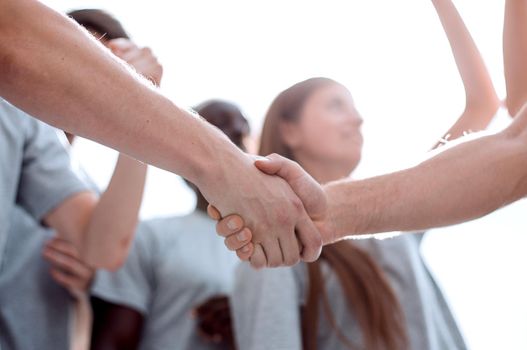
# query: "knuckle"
[[273, 264], [220, 229], [282, 217], [257, 264], [297, 204], [227, 242]]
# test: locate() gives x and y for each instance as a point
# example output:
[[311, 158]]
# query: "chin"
[[352, 163]]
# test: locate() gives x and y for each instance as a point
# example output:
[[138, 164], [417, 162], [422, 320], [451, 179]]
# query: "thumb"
[[306, 188]]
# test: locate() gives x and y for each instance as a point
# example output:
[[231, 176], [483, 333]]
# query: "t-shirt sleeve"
[[133, 284], [46, 178], [266, 309]]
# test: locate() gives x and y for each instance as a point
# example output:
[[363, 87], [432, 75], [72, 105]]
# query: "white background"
[[395, 59]]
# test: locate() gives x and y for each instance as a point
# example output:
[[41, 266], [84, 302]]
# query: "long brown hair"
[[368, 293]]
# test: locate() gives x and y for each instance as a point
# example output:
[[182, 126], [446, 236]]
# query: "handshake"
[[280, 215]]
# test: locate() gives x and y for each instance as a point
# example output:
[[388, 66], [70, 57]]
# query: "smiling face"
[[328, 129]]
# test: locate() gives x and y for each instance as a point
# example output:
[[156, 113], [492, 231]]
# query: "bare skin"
[[86, 91], [84, 220], [488, 171]]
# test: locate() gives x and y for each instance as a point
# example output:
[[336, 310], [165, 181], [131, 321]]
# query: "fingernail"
[[245, 249], [242, 236], [232, 224]]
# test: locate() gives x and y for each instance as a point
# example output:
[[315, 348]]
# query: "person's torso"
[[192, 265], [35, 312], [430, 324], [12, 139]]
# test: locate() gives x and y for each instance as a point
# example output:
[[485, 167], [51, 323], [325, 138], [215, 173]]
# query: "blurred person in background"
[[175, 264], [66, 319], [361, 294], [468, 179], [78, 86]]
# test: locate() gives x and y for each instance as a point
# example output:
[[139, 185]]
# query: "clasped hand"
[[303, 241]]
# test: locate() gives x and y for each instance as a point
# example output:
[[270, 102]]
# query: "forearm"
[[462, 183], [515, 53], [480, 92], [114, 219], [83, 319], [80, 87]]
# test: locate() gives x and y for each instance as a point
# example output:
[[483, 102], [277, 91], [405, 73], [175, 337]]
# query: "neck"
[[324, 171]]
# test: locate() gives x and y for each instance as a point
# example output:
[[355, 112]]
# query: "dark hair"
[[369, 295], [99, 21], [217, 112]]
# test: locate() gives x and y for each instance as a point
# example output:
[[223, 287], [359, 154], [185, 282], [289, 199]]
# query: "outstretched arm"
[[481, 99], [466, 181], [80, 87], [515, 53], [102, 229]]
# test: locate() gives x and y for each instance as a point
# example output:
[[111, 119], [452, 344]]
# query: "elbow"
[[111, 259], [517, 131], [115, 264], [118, 255], [485, 107], [112, 262]]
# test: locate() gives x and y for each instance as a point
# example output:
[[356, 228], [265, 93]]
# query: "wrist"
[[217, 173], [346, 215]]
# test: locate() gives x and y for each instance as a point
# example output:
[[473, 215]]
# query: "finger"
[[245, 252], [140, 56], [258, 259], [238, 240], [144, 64], [121, 45], [306, 188], [290, 250], [273, 252], [67, 264], [229, 225], [63, 247], [131, 55], [310, 238], [214, 213], [69, 282]]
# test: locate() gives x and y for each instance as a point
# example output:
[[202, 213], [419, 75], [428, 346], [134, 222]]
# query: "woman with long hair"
[[361, 294]]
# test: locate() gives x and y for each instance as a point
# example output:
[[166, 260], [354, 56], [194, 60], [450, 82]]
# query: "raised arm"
[[482, 101], [102, 228], [515, 53], [57, 72]]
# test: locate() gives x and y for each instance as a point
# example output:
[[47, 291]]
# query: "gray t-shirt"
[[175, 264], [266, 303], [35, 177], [36, 313]]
